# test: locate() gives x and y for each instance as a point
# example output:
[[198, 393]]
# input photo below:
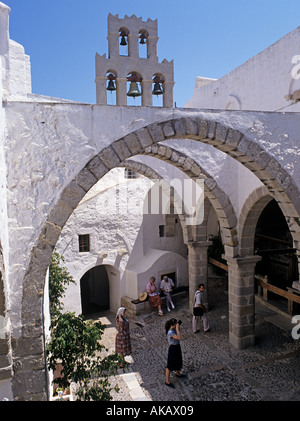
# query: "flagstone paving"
[[215, 370]]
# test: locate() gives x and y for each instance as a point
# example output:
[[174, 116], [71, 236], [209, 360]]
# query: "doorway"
[[94, 289]]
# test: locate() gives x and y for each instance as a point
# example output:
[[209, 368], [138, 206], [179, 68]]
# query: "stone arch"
[[195, 237], [217, 197], [230, 141], [250, 213], [148, 172]]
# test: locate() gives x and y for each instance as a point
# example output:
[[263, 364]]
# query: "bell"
[[157, 90], [123, 41], [134, 90], [142, 37], [111, 86]]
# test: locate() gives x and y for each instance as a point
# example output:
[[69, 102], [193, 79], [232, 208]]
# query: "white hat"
[[143, 296]]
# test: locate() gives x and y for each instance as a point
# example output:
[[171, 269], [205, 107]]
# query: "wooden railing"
[[290, 295], [218, 264]]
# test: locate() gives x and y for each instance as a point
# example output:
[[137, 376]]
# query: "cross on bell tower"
[[124, 66]]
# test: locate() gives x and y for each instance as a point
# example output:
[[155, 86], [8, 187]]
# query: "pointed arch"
[[226, 139]]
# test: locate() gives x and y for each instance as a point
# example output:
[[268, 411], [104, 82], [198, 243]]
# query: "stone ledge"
[[136, 307]]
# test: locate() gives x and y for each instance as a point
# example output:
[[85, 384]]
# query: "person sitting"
[[166, 287], [154, 298]]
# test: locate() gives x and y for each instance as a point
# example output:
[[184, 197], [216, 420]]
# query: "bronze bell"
[[157, 90], [142, 39], [123, 41], [134, 90], [111, 86]]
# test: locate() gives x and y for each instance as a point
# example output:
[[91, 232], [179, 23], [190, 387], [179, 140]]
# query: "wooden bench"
[[137, 307]]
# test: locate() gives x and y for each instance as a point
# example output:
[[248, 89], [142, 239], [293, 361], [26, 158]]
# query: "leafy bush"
[[76, 343]]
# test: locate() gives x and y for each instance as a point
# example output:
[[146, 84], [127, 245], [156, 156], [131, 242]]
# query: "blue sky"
[[204, 38]]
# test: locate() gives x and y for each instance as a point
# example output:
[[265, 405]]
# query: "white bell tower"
[[147, 77]]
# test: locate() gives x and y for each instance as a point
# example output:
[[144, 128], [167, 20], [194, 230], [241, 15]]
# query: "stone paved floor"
[[216, 371]]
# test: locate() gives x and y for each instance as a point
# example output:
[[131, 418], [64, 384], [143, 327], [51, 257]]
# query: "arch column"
[[101, 95], [168, 94], [121, 91], [241, 300], [147, 93], [197, 260]]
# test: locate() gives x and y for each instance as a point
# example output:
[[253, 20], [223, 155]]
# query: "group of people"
[[172, 327], [166, 287]]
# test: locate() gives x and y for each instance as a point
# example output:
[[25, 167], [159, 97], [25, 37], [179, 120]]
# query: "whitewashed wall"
[[264, 82], [122, 236]]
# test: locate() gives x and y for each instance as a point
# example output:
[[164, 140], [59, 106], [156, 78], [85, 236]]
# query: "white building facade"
[[54, 151]]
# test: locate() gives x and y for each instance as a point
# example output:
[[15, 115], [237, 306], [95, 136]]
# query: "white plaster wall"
[[261, 83], [232, 177], [20, 71], [153, 264], [47, 144], [113, 214], [113, 218]]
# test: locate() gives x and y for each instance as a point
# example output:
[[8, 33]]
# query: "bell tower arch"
[[130, 32]]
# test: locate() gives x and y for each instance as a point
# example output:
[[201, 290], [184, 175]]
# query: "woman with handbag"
[[199, 310]]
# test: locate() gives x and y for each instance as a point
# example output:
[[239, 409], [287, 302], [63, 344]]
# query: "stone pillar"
[[168, 94], [113, 44], [133, 46], [152, 48], [121, 91], [241, 300], [101, 97], [197, 258], [147, 93]]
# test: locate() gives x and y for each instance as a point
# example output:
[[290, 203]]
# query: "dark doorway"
[[171, 275], [94, 288], [274, 243]]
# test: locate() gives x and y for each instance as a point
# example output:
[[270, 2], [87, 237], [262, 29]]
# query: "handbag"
[[198, 311]]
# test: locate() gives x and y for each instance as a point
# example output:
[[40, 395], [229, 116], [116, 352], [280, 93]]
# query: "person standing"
[[198, 302], [154, 298], [123, 343], [174, 362], [166, 287]]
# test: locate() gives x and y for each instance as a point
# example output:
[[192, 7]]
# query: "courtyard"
[[215, 370]]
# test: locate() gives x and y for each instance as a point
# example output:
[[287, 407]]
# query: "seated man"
[[166, 287]]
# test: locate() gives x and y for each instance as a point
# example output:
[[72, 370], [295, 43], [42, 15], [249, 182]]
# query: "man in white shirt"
[[166, 287], [198, 302]]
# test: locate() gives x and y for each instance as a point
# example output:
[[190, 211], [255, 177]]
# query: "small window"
[[84, 242], [161, 230]]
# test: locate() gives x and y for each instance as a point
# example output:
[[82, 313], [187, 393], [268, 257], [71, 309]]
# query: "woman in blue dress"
[[174, 362]]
